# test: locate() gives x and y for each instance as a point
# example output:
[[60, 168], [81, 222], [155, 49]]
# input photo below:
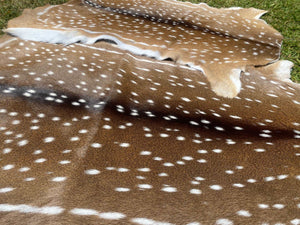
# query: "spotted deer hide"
[[146, 112]]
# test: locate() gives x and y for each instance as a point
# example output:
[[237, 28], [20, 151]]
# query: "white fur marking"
[[22, 208]]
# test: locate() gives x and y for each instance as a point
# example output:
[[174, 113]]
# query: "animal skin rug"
[[147, 112]]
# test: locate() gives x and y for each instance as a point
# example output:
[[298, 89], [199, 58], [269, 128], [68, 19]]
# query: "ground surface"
[[283, 15]]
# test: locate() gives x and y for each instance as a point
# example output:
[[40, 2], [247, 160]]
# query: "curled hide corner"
[[227, 84], [230, 88], [219, 43], [279, 70]]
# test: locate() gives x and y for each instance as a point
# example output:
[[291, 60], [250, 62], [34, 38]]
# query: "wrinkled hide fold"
[[142, 85], [188, 35], [226, 21]]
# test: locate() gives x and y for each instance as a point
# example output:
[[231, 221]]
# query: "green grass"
[[284, 15]]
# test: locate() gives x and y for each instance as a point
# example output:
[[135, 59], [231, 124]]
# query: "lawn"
[[283, 15]]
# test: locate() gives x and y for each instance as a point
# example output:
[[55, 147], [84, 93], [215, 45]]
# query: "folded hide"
[[118, 112]]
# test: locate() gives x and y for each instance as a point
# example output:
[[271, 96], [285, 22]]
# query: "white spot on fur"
[[145, 221], [224, 222], [22, 208], [7, 189]]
